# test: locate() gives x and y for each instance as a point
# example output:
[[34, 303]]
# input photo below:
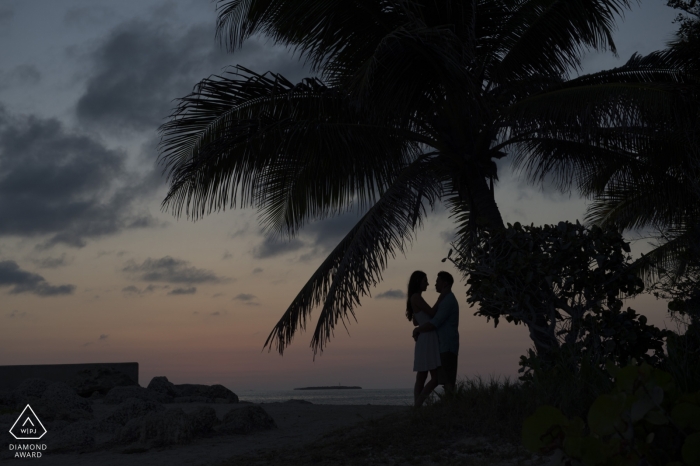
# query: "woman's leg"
[[428, 388], [420, 382]]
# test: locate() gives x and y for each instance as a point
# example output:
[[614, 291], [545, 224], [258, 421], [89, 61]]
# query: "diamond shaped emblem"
[[28, 426]]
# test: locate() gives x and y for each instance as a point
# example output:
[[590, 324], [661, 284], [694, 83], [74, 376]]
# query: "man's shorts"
[[447, 373]]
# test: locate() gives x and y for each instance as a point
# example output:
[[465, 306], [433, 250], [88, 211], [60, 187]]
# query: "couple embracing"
[[436, 334]]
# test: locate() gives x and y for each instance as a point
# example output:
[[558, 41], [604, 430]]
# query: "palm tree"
[[659, 188], [412, 103]]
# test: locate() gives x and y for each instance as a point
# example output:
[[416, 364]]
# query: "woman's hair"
[[414, 284]]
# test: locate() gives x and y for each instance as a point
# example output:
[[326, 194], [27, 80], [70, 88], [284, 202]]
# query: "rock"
[[73, 437], [61, 402], [133, 408], [100, 380], [208, 391], [30, 388], [202, 420], [163, 385], [193, 399], [246, 420], [170, 427], [118, 395]]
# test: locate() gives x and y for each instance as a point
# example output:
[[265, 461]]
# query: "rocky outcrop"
[[246, 420], [203, 420], [191, 393], [212, 393], [30, 388], [133, 408], [76, 436], [61, 402], [100, 380], [163, 385], [170, 427], [118, 395]]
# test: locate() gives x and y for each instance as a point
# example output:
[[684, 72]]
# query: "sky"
[[91, 268]]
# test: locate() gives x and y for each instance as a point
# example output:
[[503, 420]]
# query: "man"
[[446, 323]]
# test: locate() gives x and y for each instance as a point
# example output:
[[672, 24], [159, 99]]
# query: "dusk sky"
[[91, 269]]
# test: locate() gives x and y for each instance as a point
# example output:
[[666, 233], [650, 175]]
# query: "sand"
[[297, 423]]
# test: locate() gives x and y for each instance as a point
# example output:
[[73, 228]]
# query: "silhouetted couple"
[[436, 334]]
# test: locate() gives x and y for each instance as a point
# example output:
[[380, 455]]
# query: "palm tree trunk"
[[487, 216]]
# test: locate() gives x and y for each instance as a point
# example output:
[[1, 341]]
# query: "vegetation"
[[411, 105], [643, 420]]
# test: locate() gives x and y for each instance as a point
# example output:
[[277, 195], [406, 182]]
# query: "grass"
[[478, 425]]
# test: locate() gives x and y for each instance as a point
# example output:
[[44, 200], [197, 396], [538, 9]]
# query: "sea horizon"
[[364, 396]]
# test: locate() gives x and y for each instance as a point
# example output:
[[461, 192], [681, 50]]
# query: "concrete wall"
[[11, 376]]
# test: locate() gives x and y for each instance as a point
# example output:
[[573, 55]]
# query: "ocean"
[[364, 396]]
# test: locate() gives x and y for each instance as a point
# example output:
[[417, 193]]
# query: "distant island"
[[330, 387]]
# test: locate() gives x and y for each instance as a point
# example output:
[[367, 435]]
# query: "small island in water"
[[330, 387]]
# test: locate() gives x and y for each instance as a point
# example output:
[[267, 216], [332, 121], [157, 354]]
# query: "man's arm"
[[439, 317]]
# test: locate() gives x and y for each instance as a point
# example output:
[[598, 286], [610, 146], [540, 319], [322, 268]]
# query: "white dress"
[[427, 353]]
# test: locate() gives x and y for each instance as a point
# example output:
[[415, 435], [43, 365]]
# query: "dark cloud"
[[143, 65], [6, 13], [52, 262], [448, 236], [17, 314], [86, 16], [272, 247], [182, 290], [215, 313], [170, 270], [103, 337], [131, 289], [227, 255], [391, 294], [257, 270], [245, 297], [22, 281], [61, 184], [22, 75]]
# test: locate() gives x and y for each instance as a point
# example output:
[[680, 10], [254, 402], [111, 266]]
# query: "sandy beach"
[[297, 424]]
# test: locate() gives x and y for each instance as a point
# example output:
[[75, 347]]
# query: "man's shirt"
[[446, 322]]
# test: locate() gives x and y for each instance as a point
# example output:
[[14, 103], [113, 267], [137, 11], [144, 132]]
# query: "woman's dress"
[[427, 353]]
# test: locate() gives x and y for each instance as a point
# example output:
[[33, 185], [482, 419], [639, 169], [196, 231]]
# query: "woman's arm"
[[419, 305]]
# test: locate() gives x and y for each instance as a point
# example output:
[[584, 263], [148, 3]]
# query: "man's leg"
[[420, 383], [448, 372]]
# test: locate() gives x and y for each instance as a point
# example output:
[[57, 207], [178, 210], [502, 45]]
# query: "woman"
[[427, 352]]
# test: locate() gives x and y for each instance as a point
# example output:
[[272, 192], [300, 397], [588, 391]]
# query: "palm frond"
[[549, 36], [357, 262], [294, 151]]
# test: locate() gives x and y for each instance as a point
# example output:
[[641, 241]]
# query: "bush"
[[644, 419]]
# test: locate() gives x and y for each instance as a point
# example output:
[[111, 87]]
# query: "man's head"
[[443, 282]]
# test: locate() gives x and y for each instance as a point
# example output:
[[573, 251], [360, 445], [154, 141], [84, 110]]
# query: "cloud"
[[142, 65], [62, 184], [215, 313], [273, 247], [103, 337], [391, 294], [257, 270], [17, 314], [131, 289], [170, 270], [6, 13], [181, 291], [244, 297], [227, 255], [21, 75], [22, 281], [52, 262], [87, 16]]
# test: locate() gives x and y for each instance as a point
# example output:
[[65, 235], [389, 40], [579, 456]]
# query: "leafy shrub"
[[644, 419]]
